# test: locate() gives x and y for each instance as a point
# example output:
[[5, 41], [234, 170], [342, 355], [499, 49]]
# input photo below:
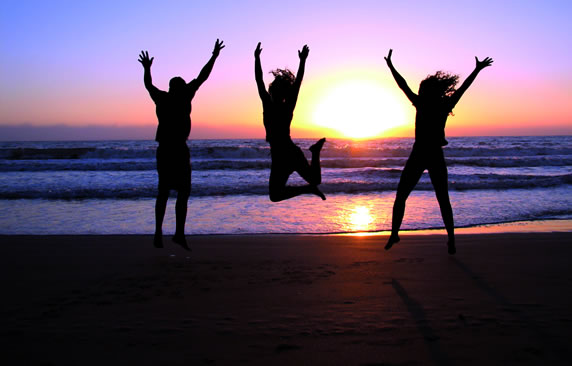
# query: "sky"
[[69, 68]]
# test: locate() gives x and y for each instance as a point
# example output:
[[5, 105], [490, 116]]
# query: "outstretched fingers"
[[144, 59], [484, 63], [217, 47]]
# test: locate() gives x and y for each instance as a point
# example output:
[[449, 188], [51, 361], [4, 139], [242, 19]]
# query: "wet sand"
[[504, 299]]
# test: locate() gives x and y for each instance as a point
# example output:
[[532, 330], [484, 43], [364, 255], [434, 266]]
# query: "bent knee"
[[275, 194], [275, 197]]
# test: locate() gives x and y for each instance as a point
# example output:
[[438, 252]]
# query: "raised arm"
[[303, 55], [206, 70], [147, 62], [463, 88], [399, 79], [258, 75]]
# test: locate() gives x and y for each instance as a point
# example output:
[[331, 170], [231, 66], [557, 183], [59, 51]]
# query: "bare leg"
[[438, 174], [160, 207], [311, 173], [409, 177], [278, 189], [289, 192], [315, 167], [181, 217]]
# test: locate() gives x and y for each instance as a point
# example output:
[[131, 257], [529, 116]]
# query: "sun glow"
[[359, 108]]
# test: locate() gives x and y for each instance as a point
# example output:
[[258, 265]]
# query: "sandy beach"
[[504, 299]]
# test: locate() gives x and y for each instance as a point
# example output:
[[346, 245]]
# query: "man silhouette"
[[173, 110]]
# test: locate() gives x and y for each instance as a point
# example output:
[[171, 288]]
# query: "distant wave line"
[[201, 190]]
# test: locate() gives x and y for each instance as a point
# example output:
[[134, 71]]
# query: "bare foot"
[[317, 147], [317, 192], [181, 240], [158, 240], [393, 239]]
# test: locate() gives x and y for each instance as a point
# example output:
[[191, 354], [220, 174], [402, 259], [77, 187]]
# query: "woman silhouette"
[[278, 104], [436, 99]]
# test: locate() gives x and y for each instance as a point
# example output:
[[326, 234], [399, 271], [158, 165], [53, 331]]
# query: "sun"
[[359, 108]]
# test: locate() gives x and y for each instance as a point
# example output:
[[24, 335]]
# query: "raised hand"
[[485, 63], [388, 58], [258, 50], [145, 60], [217, 47], [304, 53]]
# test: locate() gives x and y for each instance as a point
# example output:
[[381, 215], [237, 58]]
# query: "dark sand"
[[504, 299]]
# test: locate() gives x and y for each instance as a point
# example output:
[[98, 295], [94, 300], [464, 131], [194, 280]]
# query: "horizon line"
[[62, 132]]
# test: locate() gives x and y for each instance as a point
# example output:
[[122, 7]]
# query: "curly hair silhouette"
[[278, 104], [436, 99]]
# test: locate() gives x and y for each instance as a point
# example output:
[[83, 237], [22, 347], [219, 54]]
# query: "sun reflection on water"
[[359, 219]]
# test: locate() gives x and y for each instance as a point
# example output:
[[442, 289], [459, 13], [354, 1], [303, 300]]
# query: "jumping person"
[[173, 110], [278, 104], [435, 101]]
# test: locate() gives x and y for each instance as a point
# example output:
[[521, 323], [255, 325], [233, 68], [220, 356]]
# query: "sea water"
[[108, 187]]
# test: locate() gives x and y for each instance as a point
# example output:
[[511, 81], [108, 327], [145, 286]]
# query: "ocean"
[[109, 187]]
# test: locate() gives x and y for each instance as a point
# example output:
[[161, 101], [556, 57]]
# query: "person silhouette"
[[278, 105], [434, 102], [173, 110]]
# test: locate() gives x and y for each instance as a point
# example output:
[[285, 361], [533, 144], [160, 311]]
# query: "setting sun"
[[359, 108]]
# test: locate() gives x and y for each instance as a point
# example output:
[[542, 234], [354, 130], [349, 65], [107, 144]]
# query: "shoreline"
[[529, 226]]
